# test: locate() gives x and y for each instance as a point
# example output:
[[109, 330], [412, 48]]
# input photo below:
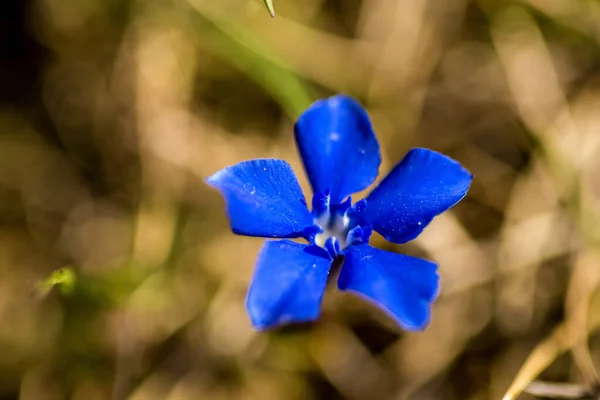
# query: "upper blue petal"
[[402, 286], [263, 198], [288, 284], [338, 147], [424, 184]]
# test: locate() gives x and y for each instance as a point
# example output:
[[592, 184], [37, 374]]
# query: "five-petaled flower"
[[341, 156]]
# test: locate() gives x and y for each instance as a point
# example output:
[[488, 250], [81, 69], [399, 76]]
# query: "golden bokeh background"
[[112, 113]]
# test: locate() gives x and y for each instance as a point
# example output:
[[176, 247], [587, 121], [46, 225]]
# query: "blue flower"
[[341, 156]]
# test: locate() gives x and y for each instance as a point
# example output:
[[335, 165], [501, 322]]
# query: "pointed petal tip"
[[420, 327], [269, 4], [211, 180], [450, 160], [258, 324], [402, 323]]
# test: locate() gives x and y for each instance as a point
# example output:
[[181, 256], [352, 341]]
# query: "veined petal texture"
[[288, 284], [401, 285], [338, 147], [263, 198], [424, 184]]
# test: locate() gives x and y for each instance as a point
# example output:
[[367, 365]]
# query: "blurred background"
[[112, 112]]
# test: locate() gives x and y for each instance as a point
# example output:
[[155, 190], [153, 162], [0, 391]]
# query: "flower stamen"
[[336, 230]]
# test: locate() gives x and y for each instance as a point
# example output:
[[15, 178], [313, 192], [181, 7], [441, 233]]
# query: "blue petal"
[[263, 198], [338, 147], [424, 184], [288, 284], [402, 286]]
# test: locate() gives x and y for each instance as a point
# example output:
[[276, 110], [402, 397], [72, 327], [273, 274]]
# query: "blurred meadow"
[[112, 113]]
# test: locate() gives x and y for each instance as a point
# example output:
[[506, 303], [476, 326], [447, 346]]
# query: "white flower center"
[[335, 226]]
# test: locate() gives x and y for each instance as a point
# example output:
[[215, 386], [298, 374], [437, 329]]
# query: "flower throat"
[[336, 225]]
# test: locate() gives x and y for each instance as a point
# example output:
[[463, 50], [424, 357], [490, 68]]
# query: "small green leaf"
[[269, 4], [64, 278]]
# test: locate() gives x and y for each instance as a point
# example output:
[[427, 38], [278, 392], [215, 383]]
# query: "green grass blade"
[[269, 4], [248, 54]]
